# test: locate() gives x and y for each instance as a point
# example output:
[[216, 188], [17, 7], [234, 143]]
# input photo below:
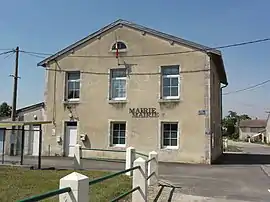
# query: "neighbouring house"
[[129, 85], [267, 129], [253, 129], [12, 142]]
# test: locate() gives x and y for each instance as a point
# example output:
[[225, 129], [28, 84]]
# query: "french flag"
[[116, 47]]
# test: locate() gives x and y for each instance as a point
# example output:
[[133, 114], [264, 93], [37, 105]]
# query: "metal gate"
[[21, 145]]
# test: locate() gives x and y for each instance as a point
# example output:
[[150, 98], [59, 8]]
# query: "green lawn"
[[18, 183]]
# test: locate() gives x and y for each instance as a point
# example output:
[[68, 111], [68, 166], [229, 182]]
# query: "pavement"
[[238, 178]]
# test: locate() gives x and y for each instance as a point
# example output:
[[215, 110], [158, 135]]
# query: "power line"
[[248, 88], [7, 52], [6, 49], [141, 73], [36, 54], [8, 55]]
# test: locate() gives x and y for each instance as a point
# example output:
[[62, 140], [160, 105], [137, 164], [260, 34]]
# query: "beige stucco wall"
[[94, 110]]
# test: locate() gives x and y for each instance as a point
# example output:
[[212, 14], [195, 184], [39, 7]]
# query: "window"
[[118, 84], [118, 133], [120, 45], [169, 135], [73, 85], [170, 82]]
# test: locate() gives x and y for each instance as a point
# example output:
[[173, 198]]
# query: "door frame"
[[64, 132], [32, 128], [4, 138]]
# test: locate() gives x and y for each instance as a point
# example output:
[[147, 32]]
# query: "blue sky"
[[48, 26]]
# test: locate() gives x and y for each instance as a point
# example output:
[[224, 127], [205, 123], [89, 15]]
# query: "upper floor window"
[[73, 85], [118, 84], [121, 46], [170, 82]]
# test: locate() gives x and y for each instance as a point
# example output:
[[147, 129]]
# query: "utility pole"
[[14, 99], [15, 86]]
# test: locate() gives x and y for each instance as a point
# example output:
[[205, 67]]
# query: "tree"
[[230, 124], [5, 110]]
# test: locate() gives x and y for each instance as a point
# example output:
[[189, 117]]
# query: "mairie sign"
[[144, 112]]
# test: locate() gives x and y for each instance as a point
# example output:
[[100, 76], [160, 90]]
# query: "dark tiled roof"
[[215, 54], [256, 123]]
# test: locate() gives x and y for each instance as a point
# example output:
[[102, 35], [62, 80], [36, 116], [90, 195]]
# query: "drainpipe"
[[221, 111], [221, 88]]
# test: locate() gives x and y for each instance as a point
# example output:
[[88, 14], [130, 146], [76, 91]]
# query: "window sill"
[[117, 101], [119, 146], [71, 101], [169, 148], [169, 100]]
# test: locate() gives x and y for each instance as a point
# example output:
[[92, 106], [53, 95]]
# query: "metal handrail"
[[110, 150], [150, 160], [46, 195], [112, 175], [153, 173], [125, 194], [142, 154]]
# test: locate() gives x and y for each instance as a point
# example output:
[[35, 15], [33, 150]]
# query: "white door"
[[35, 140], [2, 133], [70, 140]]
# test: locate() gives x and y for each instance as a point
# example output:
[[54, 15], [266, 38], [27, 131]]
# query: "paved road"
[[251, 148]]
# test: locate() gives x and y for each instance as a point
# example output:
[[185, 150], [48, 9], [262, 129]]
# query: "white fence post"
[[77, 157], [153, 168], [139, 180], [130, 158], [79, 185]]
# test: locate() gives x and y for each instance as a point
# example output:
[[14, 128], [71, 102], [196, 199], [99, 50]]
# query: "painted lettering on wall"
[[144, 112]]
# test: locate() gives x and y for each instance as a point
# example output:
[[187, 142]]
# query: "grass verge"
[[18, 183]]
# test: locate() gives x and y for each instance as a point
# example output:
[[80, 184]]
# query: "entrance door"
[[70, 138], [2, 133], [35, 140]]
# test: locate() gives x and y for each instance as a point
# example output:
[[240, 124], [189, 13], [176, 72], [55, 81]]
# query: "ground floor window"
[[118, 133], [169, 133]]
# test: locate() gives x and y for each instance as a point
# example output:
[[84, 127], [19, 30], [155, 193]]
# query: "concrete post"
[[225, 144], [79, 185], [153, 168], [130, 158], [77, 157], [139, 180]]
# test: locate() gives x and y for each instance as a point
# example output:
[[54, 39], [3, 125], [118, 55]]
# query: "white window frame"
[[72, 80], [119, 50], [111, 86], [111, 123], [162, 134], [162, 84]]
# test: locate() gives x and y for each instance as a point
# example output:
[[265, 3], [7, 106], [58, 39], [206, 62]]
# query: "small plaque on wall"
[[202, 112]]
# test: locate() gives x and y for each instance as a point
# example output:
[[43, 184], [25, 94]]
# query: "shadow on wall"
[[243, 159]]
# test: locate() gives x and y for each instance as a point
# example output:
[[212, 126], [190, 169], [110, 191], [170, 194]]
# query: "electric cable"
[[248, 88], [155, 54]]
